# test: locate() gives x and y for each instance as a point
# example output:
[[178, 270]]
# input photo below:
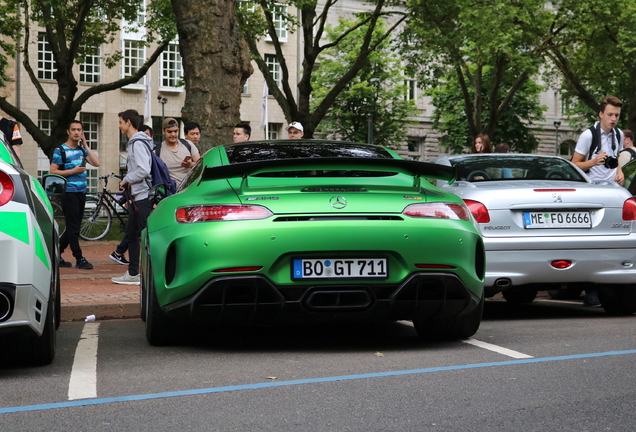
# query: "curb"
[[72, 313]]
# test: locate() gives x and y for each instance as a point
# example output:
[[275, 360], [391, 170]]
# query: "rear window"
[[491, 167], [291, 149]]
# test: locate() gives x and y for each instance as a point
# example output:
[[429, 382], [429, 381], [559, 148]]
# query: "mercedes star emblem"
[[338, 202]]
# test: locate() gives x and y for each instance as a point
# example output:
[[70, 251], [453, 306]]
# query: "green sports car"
[[300, 231], [29, 264]]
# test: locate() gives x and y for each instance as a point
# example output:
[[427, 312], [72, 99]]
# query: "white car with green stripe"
[[29, 264]]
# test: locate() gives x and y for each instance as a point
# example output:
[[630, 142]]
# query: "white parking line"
[[496, 348], [488, 346], [83, 383]]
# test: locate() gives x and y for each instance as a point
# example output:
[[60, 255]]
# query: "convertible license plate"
[[335, 268], [557, 219]]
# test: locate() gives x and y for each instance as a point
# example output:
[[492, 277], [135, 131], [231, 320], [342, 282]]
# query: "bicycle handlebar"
[[113, 175]]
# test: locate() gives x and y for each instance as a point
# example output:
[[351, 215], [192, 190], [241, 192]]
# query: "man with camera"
[[596, 153], [597, 150]]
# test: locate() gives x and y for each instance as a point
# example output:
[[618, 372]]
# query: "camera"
[[610, 162]]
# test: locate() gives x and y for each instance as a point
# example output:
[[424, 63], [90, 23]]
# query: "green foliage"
[[377, 91], [9, 27], [593, 47], [74, 28], [513, 127], [475, 58]]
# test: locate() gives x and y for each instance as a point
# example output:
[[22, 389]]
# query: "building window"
[[90, 121], [411, 89], [274, 68], [46, 63], [45, 122], [133, 57], [141, 13], [171, 67], [413, 145], [566, 148], [279, 20], [245, 88], [90, 70], [273, 131]]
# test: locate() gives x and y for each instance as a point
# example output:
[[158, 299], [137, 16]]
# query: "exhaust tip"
[[6, 306], [503, 282]]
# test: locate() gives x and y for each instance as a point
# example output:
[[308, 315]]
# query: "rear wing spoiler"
[[414, 168]]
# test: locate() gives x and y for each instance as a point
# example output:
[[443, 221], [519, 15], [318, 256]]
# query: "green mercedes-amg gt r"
[[300, 231]]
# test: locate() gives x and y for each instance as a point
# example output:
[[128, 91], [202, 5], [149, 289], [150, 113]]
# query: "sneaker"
[[119, 259], [591, 299], [65, 263], [83, 264], [126, 279]]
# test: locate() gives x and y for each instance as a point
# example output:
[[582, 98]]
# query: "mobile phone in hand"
[[187, 159]]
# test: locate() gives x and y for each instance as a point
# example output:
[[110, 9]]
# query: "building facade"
[[161, 94]]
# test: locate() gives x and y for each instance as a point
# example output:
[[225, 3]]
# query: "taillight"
[[478, 210], [629, 209], [437, 210], [561, 264], [7, 188], [227, 212]]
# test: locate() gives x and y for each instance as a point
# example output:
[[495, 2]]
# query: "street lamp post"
[[163, 101], [556, 130]]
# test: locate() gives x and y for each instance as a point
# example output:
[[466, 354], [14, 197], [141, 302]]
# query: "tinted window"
[[291, 149], [488, 168], [194, 174]]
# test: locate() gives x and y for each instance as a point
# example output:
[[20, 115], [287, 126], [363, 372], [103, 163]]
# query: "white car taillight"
[[7, 188], [437, 210], [221, 212], [478, 210], [629, 209]]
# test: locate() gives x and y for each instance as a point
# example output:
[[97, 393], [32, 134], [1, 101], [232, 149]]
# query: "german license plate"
[[335, 268], [557, 219]]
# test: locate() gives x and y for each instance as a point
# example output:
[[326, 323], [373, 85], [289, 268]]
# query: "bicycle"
[[99, 211]]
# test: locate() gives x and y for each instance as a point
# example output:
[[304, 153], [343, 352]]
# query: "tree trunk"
[[216, 64]]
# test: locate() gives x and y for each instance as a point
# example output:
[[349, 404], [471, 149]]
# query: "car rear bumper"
[[23, 310], [506, 268], [256, 300]]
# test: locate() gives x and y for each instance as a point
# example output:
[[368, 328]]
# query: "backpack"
[[596, 134], [185, 142], [160, 173], [63, 155], [631, 151]]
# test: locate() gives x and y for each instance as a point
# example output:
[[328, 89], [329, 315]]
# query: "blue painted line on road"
[[87, 402]]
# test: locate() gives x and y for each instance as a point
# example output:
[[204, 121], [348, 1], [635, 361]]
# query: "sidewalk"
[[91, 292]]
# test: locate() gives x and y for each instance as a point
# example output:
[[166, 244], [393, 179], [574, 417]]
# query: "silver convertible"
[[546, 226]]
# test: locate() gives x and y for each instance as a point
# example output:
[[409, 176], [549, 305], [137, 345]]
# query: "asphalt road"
[[541, 367]]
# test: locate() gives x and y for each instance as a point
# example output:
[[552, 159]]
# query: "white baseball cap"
[[296, 125]]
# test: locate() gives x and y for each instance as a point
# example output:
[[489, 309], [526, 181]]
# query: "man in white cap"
[[295, 130]]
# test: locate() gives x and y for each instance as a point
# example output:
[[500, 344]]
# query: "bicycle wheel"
[[97, 220], [58, 215]]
